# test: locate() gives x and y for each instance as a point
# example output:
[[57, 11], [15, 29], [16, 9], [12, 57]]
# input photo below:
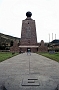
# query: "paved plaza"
[[29, 72]]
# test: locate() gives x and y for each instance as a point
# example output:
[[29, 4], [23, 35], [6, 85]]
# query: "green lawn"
[[6, 55], [54, 56]]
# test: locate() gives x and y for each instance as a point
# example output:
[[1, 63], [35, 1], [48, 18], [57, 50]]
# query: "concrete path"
[[17, 70]]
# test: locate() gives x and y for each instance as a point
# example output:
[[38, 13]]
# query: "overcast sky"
[[44, 12]]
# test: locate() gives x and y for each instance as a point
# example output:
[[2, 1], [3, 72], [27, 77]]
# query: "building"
[[28, 34], [28, 40], [54, 45]]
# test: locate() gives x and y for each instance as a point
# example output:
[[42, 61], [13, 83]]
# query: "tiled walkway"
[[17, 70]]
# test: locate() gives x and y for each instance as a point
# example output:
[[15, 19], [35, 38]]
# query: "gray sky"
[[44, 12]]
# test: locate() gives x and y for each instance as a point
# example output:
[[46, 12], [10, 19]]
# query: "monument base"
[[26, 48]]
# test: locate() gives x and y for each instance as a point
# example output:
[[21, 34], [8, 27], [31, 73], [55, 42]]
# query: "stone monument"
[[15, 47], [28, 34], [28, 40]]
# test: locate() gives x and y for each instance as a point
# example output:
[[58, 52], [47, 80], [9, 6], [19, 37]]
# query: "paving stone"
[[30, 82]]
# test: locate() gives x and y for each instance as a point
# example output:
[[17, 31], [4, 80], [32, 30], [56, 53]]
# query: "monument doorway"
[[28, 49]]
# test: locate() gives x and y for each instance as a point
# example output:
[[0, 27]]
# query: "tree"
[[11, 43]]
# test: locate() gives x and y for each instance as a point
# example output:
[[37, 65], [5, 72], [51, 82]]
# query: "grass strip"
[[54, 56], [6, 55]]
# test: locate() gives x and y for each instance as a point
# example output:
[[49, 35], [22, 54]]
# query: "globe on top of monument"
[[28, 14]]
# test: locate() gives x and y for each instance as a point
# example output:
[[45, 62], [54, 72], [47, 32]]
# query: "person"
[[28, 52]]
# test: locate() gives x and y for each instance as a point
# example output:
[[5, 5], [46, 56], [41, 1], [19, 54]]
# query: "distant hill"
[[7, 39]]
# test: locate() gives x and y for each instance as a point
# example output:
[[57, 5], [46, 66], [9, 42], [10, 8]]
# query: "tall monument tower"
[[28, 34]]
